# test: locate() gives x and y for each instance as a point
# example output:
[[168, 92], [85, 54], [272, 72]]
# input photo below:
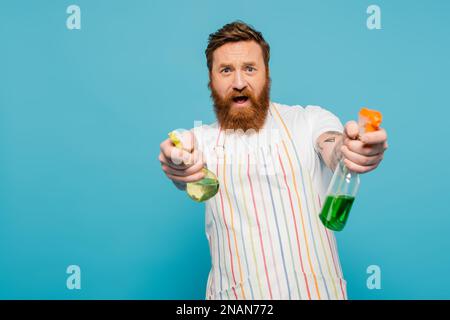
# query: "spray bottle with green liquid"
[[203, 189], [345, 183]]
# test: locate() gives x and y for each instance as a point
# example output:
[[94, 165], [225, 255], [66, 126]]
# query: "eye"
[[250, 69], [226, 70]]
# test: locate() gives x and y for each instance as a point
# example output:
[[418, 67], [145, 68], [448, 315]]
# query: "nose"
[[239, 82]]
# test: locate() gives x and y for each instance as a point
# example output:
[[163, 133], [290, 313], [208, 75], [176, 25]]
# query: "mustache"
[[244, 93]]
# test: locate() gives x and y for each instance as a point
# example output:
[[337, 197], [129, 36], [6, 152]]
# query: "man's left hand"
[[363, 153]]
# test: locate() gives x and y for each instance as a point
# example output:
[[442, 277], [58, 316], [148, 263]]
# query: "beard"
[[252, 116]]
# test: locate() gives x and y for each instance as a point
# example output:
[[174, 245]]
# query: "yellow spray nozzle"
[[175, 137]]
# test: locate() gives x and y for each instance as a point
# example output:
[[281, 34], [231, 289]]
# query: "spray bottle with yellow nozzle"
[[203, 189]]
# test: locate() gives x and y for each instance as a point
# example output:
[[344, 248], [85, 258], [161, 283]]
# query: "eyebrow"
[[249, 63]]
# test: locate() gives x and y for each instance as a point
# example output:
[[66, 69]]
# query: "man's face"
[[240, 85]]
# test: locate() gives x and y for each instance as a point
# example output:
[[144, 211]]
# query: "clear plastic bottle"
[[345, 183], [203, 189]]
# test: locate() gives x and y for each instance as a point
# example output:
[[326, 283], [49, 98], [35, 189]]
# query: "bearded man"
[[274, 163]]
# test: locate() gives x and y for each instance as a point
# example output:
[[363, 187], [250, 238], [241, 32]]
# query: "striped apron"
[[265, 236]]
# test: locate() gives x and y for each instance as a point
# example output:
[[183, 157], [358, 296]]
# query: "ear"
[[210, 80]]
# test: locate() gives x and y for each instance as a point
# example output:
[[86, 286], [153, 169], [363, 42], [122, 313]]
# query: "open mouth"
[[240, 99]]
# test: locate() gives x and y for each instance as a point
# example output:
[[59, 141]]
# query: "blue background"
[[82, 113]]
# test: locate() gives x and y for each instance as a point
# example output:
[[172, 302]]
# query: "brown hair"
[[234, 32]]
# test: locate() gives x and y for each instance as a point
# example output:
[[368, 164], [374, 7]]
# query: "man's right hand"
[[182, 165]]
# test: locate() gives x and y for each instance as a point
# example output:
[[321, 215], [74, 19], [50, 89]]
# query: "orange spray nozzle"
[[370, 120]]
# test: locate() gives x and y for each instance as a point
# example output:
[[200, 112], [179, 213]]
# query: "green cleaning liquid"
[[204, 189], [335, 211]]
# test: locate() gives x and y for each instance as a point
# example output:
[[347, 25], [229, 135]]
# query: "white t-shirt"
[[266, 239]]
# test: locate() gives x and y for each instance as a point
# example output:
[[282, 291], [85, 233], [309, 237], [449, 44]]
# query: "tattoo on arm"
[[329, 148]]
